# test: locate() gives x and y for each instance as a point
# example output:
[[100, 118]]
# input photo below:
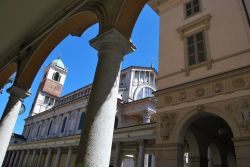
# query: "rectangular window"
[[196, 48], [192, 7]]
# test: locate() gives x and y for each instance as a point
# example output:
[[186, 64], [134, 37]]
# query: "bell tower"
[[50, 87]]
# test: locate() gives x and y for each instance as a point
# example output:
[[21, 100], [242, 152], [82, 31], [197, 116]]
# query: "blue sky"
[[81, 59]]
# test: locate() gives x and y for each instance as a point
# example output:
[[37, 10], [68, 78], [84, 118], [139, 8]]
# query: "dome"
[[58, 62]]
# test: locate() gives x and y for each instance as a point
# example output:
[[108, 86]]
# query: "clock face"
[[52, 87]]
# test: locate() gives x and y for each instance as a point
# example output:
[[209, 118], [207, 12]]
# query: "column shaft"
[[25, 162], [32, 161], [48, 158], [58, 156], [141, 154], [68, 157], [21, 159], [12, 159], [96, 139], [117, 162], [7, 159], [9, 118], [16, 158], [39, 158]]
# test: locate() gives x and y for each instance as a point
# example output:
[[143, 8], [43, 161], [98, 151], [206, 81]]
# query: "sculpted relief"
[[241, 114], [167, 123]]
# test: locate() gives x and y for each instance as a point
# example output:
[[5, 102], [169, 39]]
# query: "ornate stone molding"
[[202, 21], [205, 88]]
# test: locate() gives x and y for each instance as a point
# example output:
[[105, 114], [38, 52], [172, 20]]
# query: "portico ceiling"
[[22, 20]]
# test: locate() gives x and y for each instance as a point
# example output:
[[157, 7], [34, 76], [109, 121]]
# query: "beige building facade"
[[203, 92]]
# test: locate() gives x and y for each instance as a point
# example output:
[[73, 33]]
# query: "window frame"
[[64, 123], [81, 124], [201, 23], [196, 51], [193, 14]]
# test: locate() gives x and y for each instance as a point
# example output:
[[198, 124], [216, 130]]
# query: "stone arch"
[[128, 15], [6, 74], [193, 115], [75, 25]]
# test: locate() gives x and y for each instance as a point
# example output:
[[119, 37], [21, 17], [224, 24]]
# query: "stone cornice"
[[134, 133]]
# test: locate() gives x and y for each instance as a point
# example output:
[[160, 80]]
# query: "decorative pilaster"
[[9, 117], [96, 141]]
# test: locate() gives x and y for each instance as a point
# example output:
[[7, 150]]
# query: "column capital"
[[113, 39], [18, 92]]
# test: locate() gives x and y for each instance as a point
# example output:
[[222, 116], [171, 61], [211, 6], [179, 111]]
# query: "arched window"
[[116, 122], [144, 92], [63, 125], [49, 128], [56, 76], [81, 123]]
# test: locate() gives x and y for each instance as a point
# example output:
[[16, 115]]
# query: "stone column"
[[40, 157], [9, 117], [48, 158], [96, 139], [170, 154], [117, 162], [21, 159], [6, 162], [68, 157], [242, 151], [25, 162], [12, 159], [58, 156], [33, 158], [141, 154], [16, 158]]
